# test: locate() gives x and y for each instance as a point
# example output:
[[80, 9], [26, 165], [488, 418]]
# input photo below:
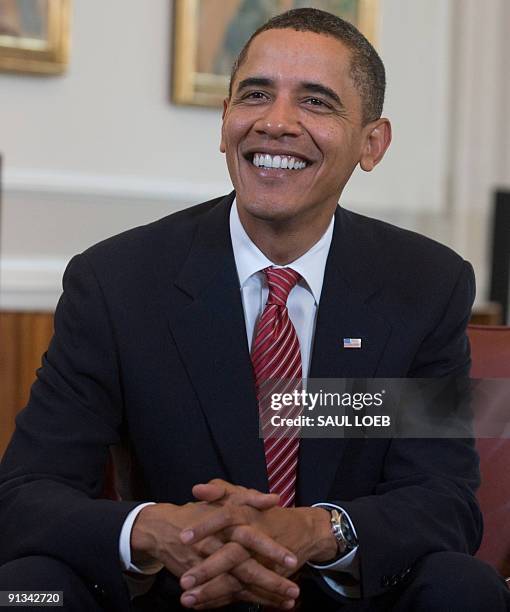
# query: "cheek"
[[237, 125], [340, 152], [230, 140], [332, 141]]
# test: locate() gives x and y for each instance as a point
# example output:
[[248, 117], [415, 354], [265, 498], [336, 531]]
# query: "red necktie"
[[276, 357]]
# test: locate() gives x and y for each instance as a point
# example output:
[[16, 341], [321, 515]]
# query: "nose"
[[280, 118]]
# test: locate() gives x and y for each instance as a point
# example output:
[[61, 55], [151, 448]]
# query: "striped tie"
[[276, 359]]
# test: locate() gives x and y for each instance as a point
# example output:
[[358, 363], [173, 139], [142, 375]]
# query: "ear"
[[222, 141], [377, 140]]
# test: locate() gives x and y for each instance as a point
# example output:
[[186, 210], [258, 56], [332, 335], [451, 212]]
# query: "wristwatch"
[[342, 531]]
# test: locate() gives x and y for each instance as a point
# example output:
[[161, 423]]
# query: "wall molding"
[[120, 187], [31, 273], [34, 282], [126, 189], [31, 284]]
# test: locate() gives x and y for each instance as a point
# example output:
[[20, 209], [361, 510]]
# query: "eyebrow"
[[254, 82], [324, 90], [311, 87]]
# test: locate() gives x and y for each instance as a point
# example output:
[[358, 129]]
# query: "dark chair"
[[490, 352]]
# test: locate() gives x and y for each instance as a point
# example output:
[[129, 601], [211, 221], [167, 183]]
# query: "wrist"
[[342, 530], [144, 534], [325, 545]]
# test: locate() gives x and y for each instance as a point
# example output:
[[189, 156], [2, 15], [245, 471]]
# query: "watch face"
[[347, 532]]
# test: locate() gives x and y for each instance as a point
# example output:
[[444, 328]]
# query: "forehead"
[[289, 55]]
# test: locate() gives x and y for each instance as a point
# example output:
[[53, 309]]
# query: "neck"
[[284, 241]]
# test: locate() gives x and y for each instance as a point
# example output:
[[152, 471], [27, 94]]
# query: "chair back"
[[490, 354]]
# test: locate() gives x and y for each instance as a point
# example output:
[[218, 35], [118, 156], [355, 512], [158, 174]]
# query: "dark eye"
[[255, 95], [316, 102]]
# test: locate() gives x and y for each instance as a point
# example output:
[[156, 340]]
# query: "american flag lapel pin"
[[352, 343]]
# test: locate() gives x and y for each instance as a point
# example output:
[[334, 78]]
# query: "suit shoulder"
[[418, 279], [171, 233], [400, 250]]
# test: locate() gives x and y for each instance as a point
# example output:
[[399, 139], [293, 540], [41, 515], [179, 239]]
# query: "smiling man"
[[165, 335], [294, 129]]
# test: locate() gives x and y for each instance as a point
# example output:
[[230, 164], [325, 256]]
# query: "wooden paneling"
[[24, 337], [490, 313]]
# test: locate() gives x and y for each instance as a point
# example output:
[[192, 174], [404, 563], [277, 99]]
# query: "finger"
[[208, 546], [209, 492], [250, 537], [266, 599], [224, 589], [221, 562], [266, 581], [219, 588], [218, 484], [218, 490], [228, 486], [246, 596], [259, 542], [234, 558], [254, 498], [226, 516], [217, 603]]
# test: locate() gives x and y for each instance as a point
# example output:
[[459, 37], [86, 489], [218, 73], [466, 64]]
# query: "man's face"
[[295, 108]]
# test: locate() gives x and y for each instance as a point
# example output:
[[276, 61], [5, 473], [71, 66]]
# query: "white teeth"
[[265, 160]]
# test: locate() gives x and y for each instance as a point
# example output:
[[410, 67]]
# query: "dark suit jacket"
[[150, 349]]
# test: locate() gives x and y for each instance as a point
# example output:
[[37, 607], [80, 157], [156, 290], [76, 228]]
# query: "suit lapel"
[[207, 324], [209, 330], [348, 309]]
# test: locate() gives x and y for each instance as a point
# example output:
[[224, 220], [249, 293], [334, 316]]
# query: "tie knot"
[[280, 282]]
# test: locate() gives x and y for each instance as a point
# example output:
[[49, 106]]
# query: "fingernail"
[[187, 582], [189, 600], [187, 536], [290, 561], [292, 592], [288, 605]]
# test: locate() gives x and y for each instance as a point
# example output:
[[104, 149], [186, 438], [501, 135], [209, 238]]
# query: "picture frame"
[[34, 36], [209, 34]]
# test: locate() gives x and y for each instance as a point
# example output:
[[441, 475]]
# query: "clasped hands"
[[233, 544]]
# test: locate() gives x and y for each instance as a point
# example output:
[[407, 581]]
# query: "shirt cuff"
[[125, 546], [348, 564]]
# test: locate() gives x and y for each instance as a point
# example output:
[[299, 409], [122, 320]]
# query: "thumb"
[[209, 492]]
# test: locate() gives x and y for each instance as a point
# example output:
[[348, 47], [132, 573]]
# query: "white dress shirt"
[[302, 304]]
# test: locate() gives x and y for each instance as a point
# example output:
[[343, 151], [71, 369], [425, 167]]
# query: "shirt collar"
[[250, 260]]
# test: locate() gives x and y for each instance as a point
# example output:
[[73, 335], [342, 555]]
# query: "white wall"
[[101, 149], [480, 144]]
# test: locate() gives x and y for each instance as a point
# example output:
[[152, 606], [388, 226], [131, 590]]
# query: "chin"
[[268, 209]]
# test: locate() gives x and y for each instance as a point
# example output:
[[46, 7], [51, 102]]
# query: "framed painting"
[[208, 35], [34, 35]]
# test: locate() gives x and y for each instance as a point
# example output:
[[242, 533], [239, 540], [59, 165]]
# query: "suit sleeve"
[[52, 474], [425, 501]]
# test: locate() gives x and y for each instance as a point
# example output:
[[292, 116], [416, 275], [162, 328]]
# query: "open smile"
[[286, 162], [276, 161]]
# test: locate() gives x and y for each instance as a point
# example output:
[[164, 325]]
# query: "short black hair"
[[367, 69]]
